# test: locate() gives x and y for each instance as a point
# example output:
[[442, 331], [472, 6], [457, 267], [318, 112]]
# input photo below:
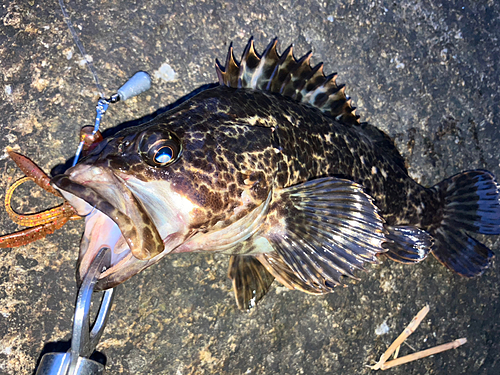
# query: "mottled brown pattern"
[[273, 123], [244, 140]]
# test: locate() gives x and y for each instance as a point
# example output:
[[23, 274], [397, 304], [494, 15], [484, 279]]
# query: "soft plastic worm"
[[30, 169], [33, 234], [43, 223], [32, 220]]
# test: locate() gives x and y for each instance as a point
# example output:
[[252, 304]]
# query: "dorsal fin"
[[286, 75], [384, 143]]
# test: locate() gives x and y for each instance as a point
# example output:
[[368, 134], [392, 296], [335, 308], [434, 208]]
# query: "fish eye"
[[160, 149], [164, 155]]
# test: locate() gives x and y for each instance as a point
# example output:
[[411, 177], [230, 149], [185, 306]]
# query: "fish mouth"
[[114, 218]]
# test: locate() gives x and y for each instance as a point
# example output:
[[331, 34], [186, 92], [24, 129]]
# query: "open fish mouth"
[[114, 218]]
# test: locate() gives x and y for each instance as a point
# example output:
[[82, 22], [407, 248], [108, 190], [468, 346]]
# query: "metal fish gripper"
[[85, 339]]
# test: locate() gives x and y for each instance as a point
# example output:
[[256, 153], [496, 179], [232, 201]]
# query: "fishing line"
[[138, 83], [81, 48]]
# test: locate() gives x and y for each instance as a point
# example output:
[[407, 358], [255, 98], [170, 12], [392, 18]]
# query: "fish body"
[[274, 168]]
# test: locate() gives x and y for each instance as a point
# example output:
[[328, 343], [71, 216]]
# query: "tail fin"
[[471, 203]]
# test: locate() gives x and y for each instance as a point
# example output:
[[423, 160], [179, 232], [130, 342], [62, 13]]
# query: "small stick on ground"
[[423, 353], [402, 337], [383, 364], [396, 353]]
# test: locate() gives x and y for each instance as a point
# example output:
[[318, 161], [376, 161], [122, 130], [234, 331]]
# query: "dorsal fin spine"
[[314, 81], [220, 73], [286, 75], [243, 64]]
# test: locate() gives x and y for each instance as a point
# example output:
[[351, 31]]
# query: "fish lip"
[[96, 190], [89, 195], [139, 231], [116, 272]]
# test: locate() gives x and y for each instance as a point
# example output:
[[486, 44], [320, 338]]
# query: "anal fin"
[[251, 280], [407, 244]]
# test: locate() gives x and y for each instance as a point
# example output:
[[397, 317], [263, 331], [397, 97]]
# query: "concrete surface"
[[424, 71]]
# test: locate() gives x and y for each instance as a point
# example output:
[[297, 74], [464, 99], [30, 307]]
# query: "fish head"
[[172, 185]]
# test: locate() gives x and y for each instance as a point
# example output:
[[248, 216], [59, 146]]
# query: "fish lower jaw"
[[100, 232]]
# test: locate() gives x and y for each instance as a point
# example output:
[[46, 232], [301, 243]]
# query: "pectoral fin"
[[327, 228]]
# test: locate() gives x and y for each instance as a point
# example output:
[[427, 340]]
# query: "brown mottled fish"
[[274, 168]]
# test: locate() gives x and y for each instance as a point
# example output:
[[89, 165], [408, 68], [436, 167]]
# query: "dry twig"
[[383, 364]]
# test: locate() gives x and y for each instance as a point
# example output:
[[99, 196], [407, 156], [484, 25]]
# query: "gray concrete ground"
[[424, 71]]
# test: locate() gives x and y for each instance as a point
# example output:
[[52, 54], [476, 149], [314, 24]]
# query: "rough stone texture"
[[424, 71]]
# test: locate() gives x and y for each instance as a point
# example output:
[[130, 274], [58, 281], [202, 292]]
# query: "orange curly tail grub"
[[41, 224], [33, 234], [32, 220], [30, 169]]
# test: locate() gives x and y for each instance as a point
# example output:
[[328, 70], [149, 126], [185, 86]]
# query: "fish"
[[274, 168]]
